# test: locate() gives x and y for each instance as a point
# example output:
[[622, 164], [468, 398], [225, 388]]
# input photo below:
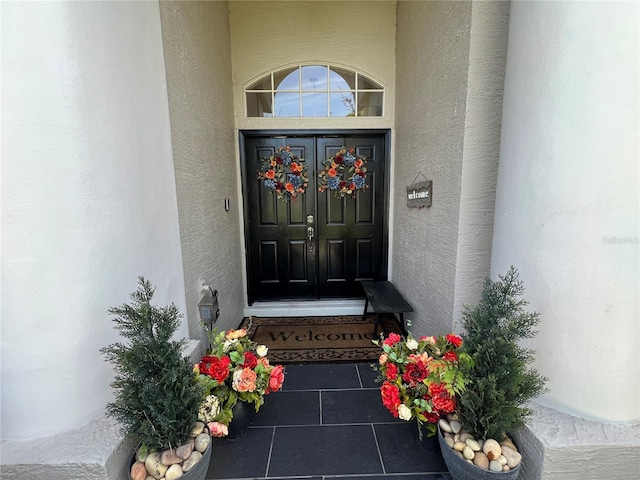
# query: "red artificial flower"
[[392, 339], [358, 163], [450, 357], [276, 379], [270, 174], [415, 373], [390, 397], [216, 368], [432, 417], [250, 360], [338, 159], [278, 160], [455, 340], [444, 403], [332, 172], [392, 372], [436, 389], [352, 186]]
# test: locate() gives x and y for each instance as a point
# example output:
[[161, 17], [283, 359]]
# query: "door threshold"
[[299, 308]]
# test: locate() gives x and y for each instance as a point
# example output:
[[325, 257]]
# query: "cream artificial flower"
[[262, 350], [404, 412], [228, 344], [412, 344], [209, 408]]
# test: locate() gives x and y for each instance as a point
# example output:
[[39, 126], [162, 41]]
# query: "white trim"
[[318, 308]]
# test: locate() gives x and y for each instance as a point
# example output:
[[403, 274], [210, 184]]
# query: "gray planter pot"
[[198, 472], [460, 469]]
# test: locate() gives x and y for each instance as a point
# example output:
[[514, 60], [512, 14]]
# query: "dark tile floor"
[[327, 423]]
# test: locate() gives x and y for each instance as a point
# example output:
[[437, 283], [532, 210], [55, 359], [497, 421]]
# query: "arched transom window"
[[314, 91]]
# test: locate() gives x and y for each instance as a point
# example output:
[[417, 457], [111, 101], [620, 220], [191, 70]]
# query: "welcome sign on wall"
[[419, 194]]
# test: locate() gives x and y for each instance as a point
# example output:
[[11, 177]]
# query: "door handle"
[[310, 233]]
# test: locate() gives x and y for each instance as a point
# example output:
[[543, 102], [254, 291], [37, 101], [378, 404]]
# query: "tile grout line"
[[273, 437], [375, 438], [345, 389], [359, 377]]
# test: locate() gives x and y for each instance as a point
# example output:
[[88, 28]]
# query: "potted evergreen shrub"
[[499, 382], [157, 395]]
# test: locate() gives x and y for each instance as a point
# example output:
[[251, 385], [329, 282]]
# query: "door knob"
[[310, 233], [309, 219]]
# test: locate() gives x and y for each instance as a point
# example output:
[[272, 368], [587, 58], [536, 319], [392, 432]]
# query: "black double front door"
[[316, 246]]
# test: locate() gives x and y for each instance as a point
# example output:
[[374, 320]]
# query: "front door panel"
[[350, 240], [347, 243]]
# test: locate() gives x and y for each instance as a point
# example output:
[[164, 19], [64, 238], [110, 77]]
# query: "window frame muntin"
[[298, 67]]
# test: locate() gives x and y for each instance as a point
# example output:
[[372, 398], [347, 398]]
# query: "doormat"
[[319, 339]]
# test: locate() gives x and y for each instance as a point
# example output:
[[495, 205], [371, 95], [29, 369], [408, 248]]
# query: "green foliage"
[[499, 381], [157, 395]]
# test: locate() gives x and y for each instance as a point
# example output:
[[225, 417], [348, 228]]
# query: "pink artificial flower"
[[276, 379], [392, 339], [218, 429]]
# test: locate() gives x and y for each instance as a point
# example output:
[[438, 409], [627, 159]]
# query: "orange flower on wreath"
[[332, 172], [270, 174], [289, 187]]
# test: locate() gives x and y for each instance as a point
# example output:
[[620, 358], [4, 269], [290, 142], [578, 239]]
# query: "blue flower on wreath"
[[285, 156], [359, 181], [295, 180], [269, 183], [349, 159], [333, 183]]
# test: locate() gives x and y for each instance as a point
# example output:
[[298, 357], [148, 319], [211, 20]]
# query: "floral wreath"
[[284, 173], [337, 169]]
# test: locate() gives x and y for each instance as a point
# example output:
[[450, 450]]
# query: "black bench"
[[384, 298]]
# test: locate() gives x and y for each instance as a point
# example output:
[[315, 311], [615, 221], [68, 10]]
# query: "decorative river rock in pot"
[[471, 459], [187, 462]]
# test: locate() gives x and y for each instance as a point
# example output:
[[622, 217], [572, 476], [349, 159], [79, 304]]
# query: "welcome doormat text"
[[318, 339]]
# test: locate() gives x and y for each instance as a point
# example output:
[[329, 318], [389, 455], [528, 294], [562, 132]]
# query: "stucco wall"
[[88, 200], [567, 198], [198, 59], [266, 35], [431, 94], [487, 58]]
